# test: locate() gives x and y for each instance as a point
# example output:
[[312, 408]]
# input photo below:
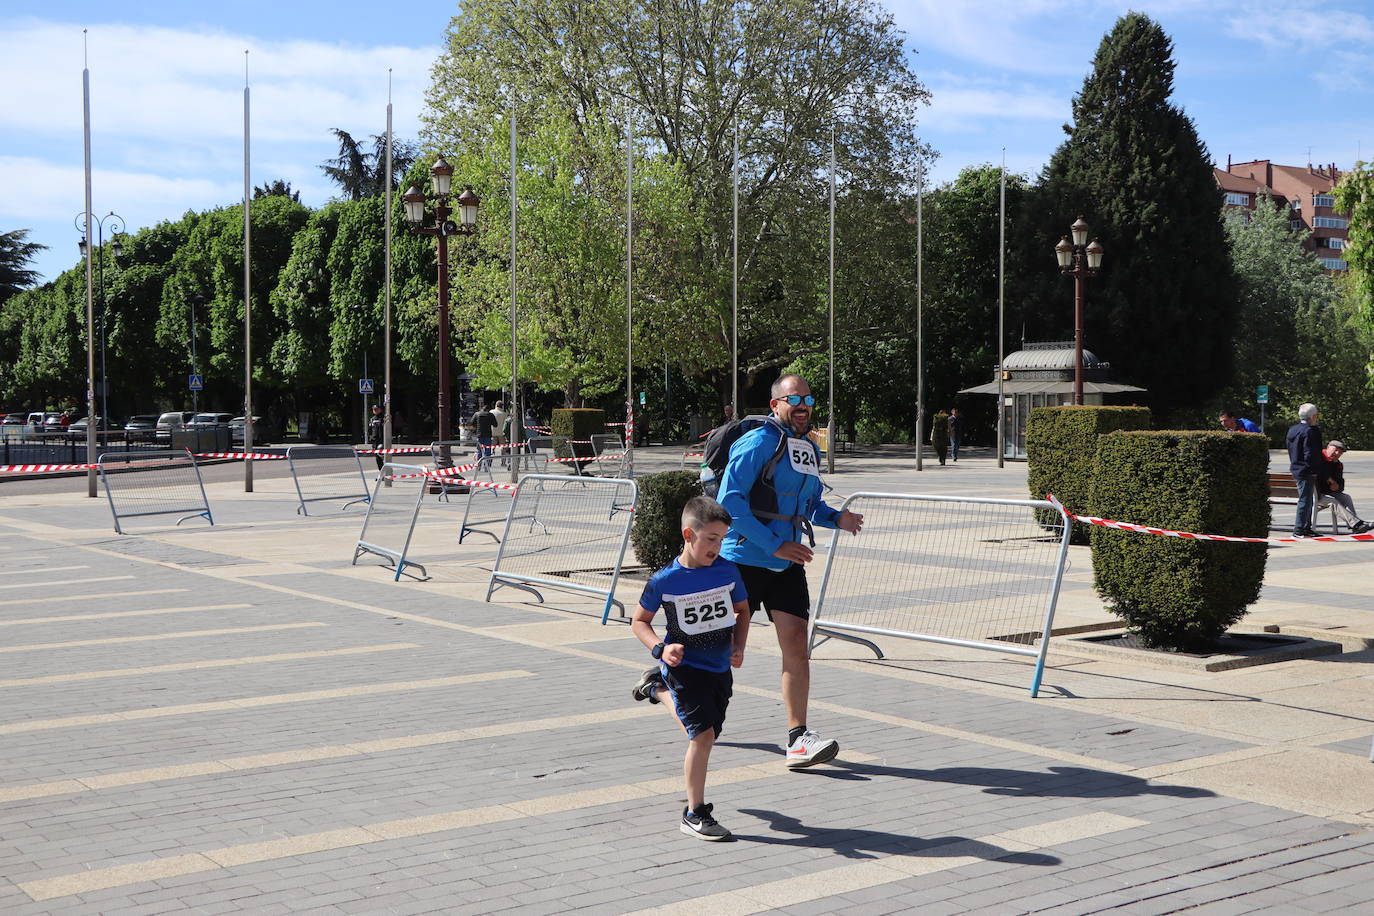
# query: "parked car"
[[236, 430], [171, 420], [52, 421], [19, 418], [35, 420], [78, 427], [141, 426], [210, 420]]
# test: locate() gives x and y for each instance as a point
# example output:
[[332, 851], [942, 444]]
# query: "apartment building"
[[1307, 193]]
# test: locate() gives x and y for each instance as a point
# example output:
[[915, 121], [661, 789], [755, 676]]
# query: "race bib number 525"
[[703, 612]]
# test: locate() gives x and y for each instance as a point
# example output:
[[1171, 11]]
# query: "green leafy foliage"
[[15, 254], [1061, 453], [1163, 308], [1177, 593], [657, 532], [1355, 195], [578, 424]]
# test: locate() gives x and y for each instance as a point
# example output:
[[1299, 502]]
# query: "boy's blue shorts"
[[700, 696]]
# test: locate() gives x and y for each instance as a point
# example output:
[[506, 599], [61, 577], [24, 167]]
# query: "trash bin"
[[697, 426]]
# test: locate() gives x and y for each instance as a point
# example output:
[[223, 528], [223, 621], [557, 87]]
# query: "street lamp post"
[[1080, 261], [441, 176], [116, 227], [195, 393]]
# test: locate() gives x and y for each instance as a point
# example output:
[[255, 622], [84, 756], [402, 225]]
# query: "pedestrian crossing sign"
[[197, 382], [365, 386]]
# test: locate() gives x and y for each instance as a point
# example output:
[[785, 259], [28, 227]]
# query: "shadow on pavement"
[[1057, 782]]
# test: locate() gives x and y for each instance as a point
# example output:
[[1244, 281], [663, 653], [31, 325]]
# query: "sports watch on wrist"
[[657, 651]]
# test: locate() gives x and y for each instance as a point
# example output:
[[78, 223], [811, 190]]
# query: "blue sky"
[[1294, 86]]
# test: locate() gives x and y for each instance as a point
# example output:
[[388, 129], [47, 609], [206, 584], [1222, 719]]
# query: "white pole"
[[1001, 313], [734, 281], [629, 293], [830, 421], [90, 277], [386, 331], [920, 328], [514, 354], [247, 296]]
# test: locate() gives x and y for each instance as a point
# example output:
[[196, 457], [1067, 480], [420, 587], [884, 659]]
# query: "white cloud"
[[963, 107]]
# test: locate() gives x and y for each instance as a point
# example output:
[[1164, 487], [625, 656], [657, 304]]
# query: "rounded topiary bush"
[[1179, 593], [577, 425], [657, 532], [1061, 454]]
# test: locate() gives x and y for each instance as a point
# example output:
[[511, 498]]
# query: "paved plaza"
[[235, 718]]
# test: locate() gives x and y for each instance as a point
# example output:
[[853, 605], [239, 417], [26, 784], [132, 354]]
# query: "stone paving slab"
[[407, 747]]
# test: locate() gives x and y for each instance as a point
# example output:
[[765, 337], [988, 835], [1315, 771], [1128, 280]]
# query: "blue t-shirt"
[[699, 610]]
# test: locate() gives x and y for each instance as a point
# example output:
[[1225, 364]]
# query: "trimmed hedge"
[[657, 532], [579, 424], [939, 435], [1176, 593], [1061, 454]]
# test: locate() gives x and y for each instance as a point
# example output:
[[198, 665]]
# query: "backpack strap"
[[766, 478]]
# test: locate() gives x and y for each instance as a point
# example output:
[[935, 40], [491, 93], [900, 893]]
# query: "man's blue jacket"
[[751, 540]]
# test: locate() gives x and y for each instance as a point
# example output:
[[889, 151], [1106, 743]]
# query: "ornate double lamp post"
[[441, 178], [116, 227], [1080, 261]]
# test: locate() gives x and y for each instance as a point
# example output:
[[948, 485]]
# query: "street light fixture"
[[441, 179], [1080, 261], [116, 227]]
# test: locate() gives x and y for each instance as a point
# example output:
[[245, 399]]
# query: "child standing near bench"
[[706, 614]]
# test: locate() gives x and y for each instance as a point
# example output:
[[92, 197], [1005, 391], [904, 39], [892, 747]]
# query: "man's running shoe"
[[702, 825], [650, 682], [810, 749]]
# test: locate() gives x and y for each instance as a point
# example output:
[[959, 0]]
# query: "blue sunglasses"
[[797, 399]]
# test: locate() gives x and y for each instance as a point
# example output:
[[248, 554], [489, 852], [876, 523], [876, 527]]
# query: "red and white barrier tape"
[[541, 429], [256, 456], [437, 472], [41, 468], [1194, 536], [400, 450], [693, 454]]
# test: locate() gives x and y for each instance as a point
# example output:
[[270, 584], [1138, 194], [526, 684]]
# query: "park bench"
[[1283, 491]]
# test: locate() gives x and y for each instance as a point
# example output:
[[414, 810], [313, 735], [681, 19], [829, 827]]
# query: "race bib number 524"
[[802, 456], [703, 612]]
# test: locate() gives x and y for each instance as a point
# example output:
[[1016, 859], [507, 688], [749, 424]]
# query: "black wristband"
[[657, 651]]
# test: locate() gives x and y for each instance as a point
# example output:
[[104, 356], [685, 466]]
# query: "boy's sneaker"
[[650, 682], [702, 825], [810, 749]]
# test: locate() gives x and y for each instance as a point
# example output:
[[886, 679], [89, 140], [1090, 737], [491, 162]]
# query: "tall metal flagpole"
[[629, 293], [386, 285], [247, 297], [734, 279], [90, 275], [920, 328], [1001, 313], [516, 415], [830, 421]]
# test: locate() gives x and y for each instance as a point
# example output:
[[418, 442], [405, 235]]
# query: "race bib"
[[703, 612], [802, 455]]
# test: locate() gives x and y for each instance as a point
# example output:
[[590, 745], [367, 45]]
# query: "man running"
[[772, 490]]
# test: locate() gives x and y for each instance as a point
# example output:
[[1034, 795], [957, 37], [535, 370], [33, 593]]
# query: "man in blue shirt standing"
[[1306, 462], [772, 490]]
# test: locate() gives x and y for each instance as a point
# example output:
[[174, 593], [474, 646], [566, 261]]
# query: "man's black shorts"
[[700, 696], [782, 591]]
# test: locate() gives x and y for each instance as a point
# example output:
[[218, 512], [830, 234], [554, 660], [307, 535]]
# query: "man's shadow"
[[871, 844]]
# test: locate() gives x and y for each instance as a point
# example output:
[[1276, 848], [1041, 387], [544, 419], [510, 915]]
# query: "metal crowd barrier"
[[337, 482], [563, 533], [173, 486], [391, 515], [960, 571]]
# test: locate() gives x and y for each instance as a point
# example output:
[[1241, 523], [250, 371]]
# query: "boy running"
[[703, 599]]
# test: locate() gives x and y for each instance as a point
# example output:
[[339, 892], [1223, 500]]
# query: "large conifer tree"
[[1163, 307]]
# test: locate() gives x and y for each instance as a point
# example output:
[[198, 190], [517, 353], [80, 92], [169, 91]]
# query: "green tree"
[[278, 188], [1355, 196], [690, 74], [361, 173], [1163, 308], [15, 255]]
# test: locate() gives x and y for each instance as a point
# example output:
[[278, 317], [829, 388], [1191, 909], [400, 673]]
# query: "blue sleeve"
[[651, 599], [747, 459]]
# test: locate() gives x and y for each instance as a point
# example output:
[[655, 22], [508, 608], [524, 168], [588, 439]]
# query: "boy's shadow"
[[870, 844]]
